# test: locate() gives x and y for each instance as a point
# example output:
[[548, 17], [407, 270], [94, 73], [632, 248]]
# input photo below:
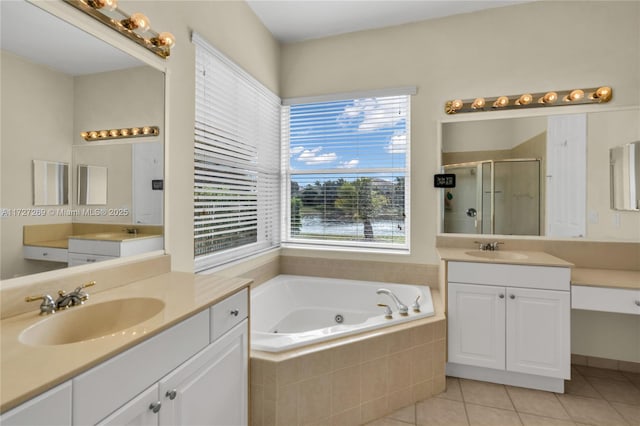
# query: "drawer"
[[105, 248], [528, 276], [82, 258], [625, 301], [45, 253], [103, 389], [229, 312]]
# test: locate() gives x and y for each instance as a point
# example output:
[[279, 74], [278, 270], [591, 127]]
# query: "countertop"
[[26, 371], [61, 244], [612, 278], [113, 236], [536, 258]]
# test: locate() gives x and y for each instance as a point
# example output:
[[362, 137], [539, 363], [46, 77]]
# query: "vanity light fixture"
[[130, 132], [136, 26], [531, 100]]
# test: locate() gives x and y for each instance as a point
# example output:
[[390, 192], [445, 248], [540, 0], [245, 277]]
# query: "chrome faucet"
[[75, 298], [402, 308], [491, 246], [64, 300], [133, 231]]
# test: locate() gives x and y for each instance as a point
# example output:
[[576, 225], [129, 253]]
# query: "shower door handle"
[[471, 212]]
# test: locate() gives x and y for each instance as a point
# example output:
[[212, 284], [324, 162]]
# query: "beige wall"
[[37, 124], [233, 28], [531, 47]]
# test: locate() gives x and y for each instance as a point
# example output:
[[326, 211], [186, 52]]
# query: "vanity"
[[508, 317], [175, 353]]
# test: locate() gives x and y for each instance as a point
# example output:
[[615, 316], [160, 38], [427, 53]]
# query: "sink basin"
[[90, 321], [501, 255]]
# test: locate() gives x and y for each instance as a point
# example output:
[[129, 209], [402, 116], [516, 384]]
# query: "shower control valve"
[[416, 305]]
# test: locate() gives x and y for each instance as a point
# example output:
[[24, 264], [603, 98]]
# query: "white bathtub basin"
[[290, 311]]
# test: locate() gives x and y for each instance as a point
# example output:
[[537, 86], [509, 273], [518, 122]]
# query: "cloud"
[[374, 113], [295, 150], [397, 144], [349, 164], [313, 156]]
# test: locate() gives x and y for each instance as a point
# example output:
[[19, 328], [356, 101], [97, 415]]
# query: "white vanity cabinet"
[[82, 250], [509, 323], [194, 373], [52, 408]]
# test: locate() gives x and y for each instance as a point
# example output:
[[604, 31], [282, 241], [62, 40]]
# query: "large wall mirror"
[[51, 92], [539, 176]]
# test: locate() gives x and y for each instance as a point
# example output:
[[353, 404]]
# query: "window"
[[236, 161], [347, 171]]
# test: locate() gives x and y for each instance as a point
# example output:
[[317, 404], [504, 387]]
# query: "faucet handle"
[[416, 305], [48, 306], [388, 313], [494, 245]]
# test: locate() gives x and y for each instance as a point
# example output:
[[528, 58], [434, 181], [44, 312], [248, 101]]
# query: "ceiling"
[[72, 51], [297, 20]]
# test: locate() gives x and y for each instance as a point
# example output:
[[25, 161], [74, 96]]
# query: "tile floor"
[[594, 396]]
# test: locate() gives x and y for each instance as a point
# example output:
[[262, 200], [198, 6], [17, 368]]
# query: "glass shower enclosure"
[[494, 197]]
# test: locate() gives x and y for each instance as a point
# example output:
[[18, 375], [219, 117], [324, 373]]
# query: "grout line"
[[464, 402], [513, 404]]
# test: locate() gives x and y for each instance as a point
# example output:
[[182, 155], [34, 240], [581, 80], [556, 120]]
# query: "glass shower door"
[[463, 204]]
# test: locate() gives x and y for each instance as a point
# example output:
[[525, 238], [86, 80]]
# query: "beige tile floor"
[[593, 396]]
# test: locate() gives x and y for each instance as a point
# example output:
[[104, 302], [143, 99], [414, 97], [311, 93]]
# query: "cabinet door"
[[476, 315], [538, 339], [137, 412], [50, 409], [211, 388]]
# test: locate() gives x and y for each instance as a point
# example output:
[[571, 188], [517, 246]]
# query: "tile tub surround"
[[593, 396], [360, 379]]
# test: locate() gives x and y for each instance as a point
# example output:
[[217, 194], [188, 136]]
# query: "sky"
[[351, 134]]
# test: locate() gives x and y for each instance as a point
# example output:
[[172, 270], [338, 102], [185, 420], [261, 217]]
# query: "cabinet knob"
[[501, 296], [155, 407], [512, 296], [45, 254], [235, 312], [637, 302], [171, 394]]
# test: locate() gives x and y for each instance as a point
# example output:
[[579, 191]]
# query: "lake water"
[[381, 228]]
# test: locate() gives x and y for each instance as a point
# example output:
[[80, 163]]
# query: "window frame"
[[354, 245]]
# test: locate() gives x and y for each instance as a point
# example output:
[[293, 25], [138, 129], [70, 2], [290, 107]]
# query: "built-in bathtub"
[[315, 370], [290, 311]]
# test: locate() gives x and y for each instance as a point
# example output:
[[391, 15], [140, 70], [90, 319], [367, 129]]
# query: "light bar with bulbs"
[[593, 95], [135, 26], [128, 132]]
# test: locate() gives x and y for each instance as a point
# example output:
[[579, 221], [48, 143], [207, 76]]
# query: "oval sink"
[[90, 321], [502, 255]]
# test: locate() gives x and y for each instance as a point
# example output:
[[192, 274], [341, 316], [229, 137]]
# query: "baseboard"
[[505, 377]]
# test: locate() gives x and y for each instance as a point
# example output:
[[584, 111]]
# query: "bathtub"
[[290, 311]]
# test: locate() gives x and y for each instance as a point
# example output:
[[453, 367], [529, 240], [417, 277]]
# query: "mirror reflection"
[[51, 92], [546, 176], [625, 176], [50, 183]]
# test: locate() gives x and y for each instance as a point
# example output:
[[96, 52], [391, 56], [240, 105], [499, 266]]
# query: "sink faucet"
[[133, 231], [75, 298], [490, 246], [402, 308]]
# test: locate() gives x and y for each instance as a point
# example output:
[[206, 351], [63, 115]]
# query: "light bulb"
[[575, 95], [125, 132], [136, 21], [104, 133], [93, 134], [165, 39], [146, 130], [135, 131], [501, 102], [107, 4], [84, 135], [549, 98], [114, 133], [524, 99], [478, 103], [603, 93]]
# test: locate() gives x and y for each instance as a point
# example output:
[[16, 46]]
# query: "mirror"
[[51, 92], [569, 191], [50, 183], [625, 176], [92, 185]]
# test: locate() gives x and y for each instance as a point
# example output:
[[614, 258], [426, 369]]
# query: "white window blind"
[[347, 171], [236, 161]]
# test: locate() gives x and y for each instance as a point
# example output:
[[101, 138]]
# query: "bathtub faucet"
[[402, 308]]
